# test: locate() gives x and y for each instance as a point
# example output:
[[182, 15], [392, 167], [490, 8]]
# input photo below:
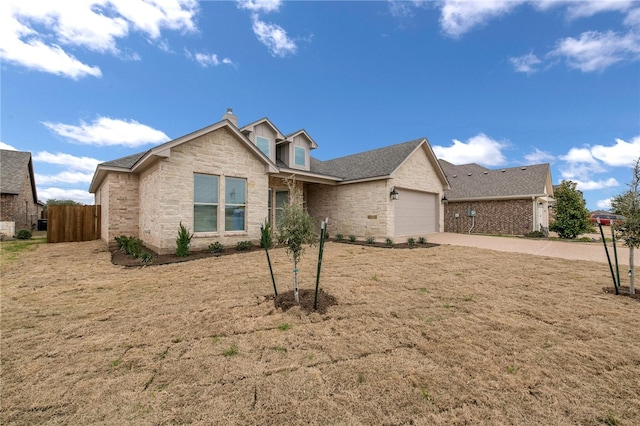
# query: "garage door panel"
[[415, 213]]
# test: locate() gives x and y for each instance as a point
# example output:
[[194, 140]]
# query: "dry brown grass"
[[444, 335]]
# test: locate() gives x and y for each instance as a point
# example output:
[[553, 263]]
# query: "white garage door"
[[416, 213]]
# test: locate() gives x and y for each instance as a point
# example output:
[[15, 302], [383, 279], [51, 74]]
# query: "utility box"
[[471, 212]]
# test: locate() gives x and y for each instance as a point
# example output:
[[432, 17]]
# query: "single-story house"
[[19, 205], [223, 181], [514, 200]]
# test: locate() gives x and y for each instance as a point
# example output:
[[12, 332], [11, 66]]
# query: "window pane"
[[205, 188], [205, 218], [300, 154], [235, 191], [282, 198], [234, 218], [263, 144]]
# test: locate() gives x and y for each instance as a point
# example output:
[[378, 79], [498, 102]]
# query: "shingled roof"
[[12, 168], [370, 164], [472, 181], [125, 162]]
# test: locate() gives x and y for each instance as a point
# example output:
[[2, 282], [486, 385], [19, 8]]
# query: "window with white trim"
[[235, 204], [205, 203]]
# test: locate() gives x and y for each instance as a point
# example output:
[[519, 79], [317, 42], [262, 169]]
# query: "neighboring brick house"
[[513, 200], [223, 181], [19, 206]]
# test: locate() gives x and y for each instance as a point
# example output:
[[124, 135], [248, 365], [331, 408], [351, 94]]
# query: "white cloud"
[[538, 156], [274, 37], [478, 149], [622, 154], [526, 63], [587, 8], [596, 51], [590, 185], [7, 147], [404, 8], [86, 164], [207, 60], [265, 6], [68, 177], [36, 33], [79, 195], [105, 131], [604, 204], [461, 16]]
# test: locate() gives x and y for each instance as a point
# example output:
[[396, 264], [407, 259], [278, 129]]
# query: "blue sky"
[[495, 82]]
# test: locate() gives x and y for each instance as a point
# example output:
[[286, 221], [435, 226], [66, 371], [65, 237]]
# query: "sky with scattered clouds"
[[496, 82]]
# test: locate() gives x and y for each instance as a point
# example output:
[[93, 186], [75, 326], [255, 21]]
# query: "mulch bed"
[[286, 300], [122, 259], [622, 291]]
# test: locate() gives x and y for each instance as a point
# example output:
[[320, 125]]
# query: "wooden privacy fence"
[[73, 223]]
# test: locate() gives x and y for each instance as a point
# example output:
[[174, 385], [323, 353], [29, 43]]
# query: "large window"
[[300, 156], [235, 203], [264, 145], [205, 203]]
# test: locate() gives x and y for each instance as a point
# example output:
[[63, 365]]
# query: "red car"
[[607, 219]]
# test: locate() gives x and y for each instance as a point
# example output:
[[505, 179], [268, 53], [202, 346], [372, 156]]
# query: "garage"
[[416, 213]]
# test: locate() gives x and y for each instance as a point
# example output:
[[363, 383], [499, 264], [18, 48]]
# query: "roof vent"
[[523, 168], [469, 174], [455, 176], [486, 173], [503, 170]]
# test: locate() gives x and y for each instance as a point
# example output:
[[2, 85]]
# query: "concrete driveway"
[[567, 250]]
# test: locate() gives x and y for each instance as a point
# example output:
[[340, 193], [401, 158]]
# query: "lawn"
[[442, 335]]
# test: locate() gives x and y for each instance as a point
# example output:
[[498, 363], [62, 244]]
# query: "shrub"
[[422, 240], [352, 238], [216, 247], [266, 236], [122, 242], [134, 246], [371, 240], [389, 242], [412, 242], [244, 245], [183, 241], [147, 257], [339, 237], [24, 234], [534, 234]]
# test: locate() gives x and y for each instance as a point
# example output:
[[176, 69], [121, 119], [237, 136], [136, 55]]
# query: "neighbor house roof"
[[472, 181], [377, 163], [12, 167]]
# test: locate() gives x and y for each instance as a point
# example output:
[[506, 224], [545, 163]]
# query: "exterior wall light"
[[394, 195], [444, 197]]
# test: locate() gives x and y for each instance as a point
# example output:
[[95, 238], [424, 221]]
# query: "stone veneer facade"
[[152, 205]]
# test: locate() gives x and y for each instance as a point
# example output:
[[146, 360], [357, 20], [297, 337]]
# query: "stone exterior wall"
[[511, 217], [118, 197], [166, 191], [360, 209], [418, 173]]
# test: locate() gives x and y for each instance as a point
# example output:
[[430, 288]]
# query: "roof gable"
[[249, 127], [137, 162], [12, 167]]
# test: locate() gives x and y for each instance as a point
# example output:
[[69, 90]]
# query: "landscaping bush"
[[339, 237], [183, 241], [389, 242], [371, 240], [147, 257], [352, 238], [422, 240], [24, 234], [244, 245], [412, 242], [534, 234], [216, 247]]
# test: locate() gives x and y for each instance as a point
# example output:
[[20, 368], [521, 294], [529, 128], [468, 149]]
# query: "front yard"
[[442, 335]]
